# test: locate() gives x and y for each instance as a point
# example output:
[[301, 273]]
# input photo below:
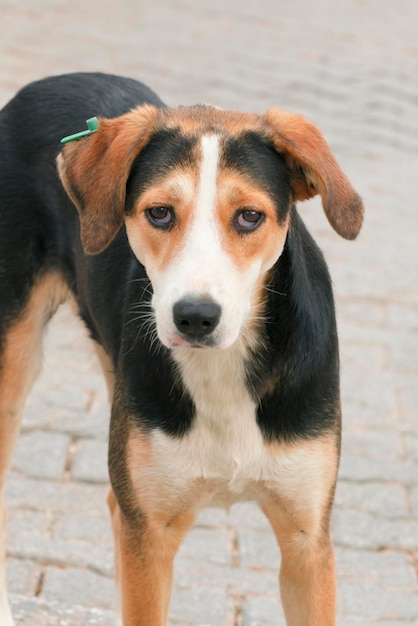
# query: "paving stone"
[[22, 576], [407, 419], [367, 312], [359, 621], [23, 521], [262, 612], [414, 501], [30, 546], [206, 607], [258, 549], [403, 316], [362, 530], [237, 581], [212, 517], [64, 496], [357, 417], [90, 462], [37, 612], [212, 545], [90, 589], [362, 468], [248, 515], [409, 398], [373, 444], [374, 393], [41, 413], [88, 528], [388, 569], [381, 499], [41, 454], [369, 601], [243, 514]]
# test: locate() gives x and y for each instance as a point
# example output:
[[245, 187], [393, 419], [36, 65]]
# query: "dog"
[[175, 233]]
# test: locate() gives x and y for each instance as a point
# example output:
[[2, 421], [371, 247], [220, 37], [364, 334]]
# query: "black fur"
[[38, 223], [295, 378], [255, 158], [296, 375], [167, 149]]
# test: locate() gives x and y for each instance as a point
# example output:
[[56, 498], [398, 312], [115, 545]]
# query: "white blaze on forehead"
[[206, 198], [202, 244]]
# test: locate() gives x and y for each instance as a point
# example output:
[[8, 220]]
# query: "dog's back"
[[39, 225]]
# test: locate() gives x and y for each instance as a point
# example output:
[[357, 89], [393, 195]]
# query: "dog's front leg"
[[307, 580], [307, 576], [298, 507], [145, 548]]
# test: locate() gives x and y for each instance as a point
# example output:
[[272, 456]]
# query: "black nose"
[[196, 317]]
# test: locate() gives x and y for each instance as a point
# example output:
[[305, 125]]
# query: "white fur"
[[225, 447], [203, 267]]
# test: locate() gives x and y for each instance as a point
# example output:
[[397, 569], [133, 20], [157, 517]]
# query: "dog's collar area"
[[92, 126]]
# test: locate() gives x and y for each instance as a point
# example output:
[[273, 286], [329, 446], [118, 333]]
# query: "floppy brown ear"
[[314, 170], [94, 171]]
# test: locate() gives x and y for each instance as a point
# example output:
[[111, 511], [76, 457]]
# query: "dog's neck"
[[216, 379]]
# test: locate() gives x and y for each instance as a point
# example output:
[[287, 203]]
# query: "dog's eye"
[[160, 216], [247, 220]]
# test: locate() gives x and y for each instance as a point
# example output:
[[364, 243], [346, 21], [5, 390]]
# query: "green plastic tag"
[[92, 125]]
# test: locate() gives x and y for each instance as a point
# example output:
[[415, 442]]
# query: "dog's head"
[[205, 196]]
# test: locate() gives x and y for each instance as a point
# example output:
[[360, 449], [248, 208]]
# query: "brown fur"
[[155, 247], [307, 574], [235, 191], [91, 173], [299, 512], [91, 169], [21, 359], [315, 170], [21, 364], [144, 563]]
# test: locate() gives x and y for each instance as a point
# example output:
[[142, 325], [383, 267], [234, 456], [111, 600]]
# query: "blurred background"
[[351, 67]]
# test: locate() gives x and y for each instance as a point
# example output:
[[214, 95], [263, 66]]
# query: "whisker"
[[155, 344], [146, 316], [137, 305], [139, 280], [149, 324], [145, 329], [279, 293]]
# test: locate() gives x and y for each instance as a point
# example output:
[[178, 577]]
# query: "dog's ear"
[[94, 171], [314, 170]]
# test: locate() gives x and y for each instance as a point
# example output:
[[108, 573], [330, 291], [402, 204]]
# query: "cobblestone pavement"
[[351, 66]]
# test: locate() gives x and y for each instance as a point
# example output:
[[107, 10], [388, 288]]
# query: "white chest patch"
[[225, 451], [224, 448], [226, 437], [225, 445]]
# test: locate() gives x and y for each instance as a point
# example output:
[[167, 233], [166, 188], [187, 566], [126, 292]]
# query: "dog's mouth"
[[183, 341]]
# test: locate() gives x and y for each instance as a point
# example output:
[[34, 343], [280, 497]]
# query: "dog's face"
[[207, 221], [205, 196]]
